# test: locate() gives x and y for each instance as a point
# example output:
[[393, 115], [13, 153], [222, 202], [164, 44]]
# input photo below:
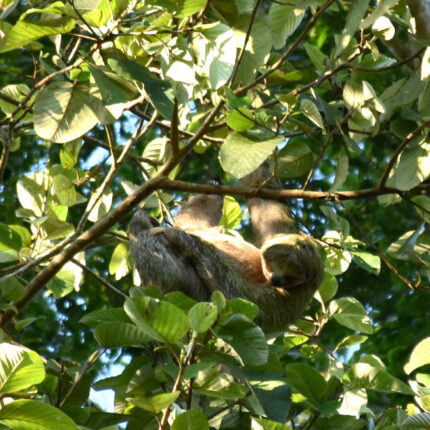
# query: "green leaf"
[[272, 392], [271, 425], [420, 356], [24, 32], [309, 109], [56, 228], [242, 306], [64, 190], [161, 321], [102, 206], [105, 315], [257, 49], [156, 403], [113, 88], [11, 289], [247, 339], [283, 21], [69, 154], [338, 259], [217, 49], [191, 420], [190, 7], [231, 213], [315, 55], [413, 167], [116, 334], [341, 172], [202, 316], [383, 28], [368, 261], [32, 415], [240, 119], [307, 381], [350, 313], [20, 368], [382, 7], [377, 378], [9, 239], [351, 341], [294, 160], [31, 193], [158, 91], [64, 111], [118, 265], [327, 289], [353, 20], [420, 421], [63, 283], [241, 155], [422, 207]]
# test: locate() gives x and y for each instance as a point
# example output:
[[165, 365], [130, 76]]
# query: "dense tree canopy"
[[111, 105]]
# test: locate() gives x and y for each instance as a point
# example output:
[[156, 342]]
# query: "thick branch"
[[168, 184]]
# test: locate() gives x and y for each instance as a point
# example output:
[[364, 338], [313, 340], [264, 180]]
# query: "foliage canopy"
[[107, 105]]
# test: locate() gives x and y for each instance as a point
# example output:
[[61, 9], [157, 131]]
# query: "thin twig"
[[290, 50], [97, 277], [376, 249], [245, 43], [88, 364], [6, 137], [399, 150]]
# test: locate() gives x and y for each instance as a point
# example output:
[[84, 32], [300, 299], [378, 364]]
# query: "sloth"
[[196, 257]]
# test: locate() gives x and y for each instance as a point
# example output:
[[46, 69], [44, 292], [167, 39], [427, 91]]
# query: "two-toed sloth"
[[195, 257]]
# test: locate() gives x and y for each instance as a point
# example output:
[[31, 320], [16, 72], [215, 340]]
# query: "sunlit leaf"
[[420, 356], [161, 321], [350, 313], [20, 368], [33, 415], [241, 155], [202, 316], [64, 111]]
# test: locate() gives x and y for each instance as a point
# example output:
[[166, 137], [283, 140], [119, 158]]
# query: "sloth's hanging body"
[[195, 257]]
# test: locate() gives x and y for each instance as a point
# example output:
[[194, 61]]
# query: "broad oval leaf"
[[26, 31], [32, 415], [420, 421], [240, 119], [202, 316], [118, 334], [309, 109], [156, 403], [377, 378], [64, 111], [350, 313], [159, 320], [422, 206], [231, 213], [191, 420], [420, 356], [413, 167], [247, 339], [294, 160], [217, 48], [20, 368], [240, 155], [307, 381], [94, 318]]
